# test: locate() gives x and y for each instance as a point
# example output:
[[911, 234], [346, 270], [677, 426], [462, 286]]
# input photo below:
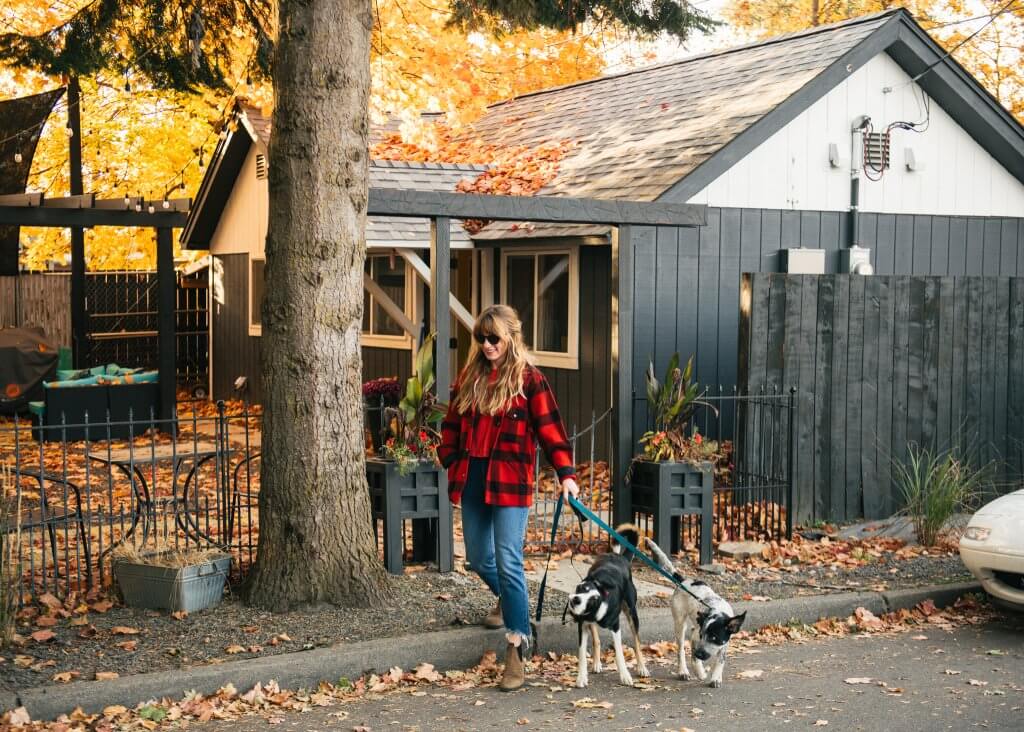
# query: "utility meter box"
[[856, 260], [802, 261]]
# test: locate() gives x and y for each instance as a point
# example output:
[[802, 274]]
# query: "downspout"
[[856, 155]]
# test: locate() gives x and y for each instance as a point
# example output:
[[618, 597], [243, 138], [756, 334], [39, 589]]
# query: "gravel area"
[[427, 601], [887, 573]]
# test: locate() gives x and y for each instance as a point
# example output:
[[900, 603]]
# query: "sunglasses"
[[490, 338]]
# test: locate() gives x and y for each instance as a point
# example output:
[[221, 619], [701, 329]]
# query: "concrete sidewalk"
[[447, 649]]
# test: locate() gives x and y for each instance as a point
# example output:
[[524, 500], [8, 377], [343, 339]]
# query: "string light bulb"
[[151, 209], [127, 200], [166, 203], [18, 157], [69, 132]]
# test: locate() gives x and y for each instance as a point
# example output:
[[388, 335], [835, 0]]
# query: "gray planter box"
[[420, 496], [667, 491], [172, 588]]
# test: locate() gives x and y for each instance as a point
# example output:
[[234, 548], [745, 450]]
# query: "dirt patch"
[[427, 601]]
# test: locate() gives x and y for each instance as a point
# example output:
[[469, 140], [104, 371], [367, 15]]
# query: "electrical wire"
[[1005, 8]]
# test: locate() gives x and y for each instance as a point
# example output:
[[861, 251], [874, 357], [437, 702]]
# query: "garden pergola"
[[85, 211]]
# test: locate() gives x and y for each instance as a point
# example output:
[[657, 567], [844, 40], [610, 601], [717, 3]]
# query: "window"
[[543, 287], [379, 328], [255, 295]]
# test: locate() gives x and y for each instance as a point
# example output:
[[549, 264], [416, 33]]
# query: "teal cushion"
[[37, 408], [88, 381], [98, 370], [71, 374], [145, 377]]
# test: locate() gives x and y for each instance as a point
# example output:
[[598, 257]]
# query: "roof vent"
[[876, 150], [261, 166]]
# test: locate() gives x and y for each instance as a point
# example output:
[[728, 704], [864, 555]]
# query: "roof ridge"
[[712, 54]]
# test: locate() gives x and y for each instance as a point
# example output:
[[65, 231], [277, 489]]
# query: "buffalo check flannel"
[[529, 419]]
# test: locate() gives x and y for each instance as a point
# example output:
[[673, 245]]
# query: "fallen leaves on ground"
[[124, 630], [588, 703], [107, 675], [750, 673]]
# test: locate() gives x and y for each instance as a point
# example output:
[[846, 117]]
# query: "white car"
[[992, 547]]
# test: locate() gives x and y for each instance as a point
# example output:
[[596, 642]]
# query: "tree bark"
[[316, 541]]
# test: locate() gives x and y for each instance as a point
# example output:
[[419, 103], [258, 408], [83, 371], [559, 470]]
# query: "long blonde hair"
[[476, 393]]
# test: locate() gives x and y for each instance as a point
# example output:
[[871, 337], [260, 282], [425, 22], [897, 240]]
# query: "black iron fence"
[[70, 506], [748, 437]]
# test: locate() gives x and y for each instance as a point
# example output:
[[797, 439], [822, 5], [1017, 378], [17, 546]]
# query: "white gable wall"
[[242, 228], [791, 169]]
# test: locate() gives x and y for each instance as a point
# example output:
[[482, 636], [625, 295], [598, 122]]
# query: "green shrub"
[[936, 485]]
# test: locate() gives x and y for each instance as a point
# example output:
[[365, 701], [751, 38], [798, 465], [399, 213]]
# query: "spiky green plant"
[[413, 424], [935, 485]]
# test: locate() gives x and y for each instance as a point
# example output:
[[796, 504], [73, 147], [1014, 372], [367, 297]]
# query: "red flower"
[[423, 436], [697, 439]]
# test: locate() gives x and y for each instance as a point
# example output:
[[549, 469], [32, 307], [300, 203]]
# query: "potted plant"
[[171, 579], [406, 481], [378, 394], [674, 474]]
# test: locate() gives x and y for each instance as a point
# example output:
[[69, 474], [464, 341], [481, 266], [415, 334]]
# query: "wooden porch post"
[[440, 286], [79, 329], [622, 369], [167, 337]]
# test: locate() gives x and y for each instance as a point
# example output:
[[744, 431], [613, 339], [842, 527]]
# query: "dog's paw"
[[625, 679], [643, 671], [581, 682], [598, 666], [684, 675], [715, 683]]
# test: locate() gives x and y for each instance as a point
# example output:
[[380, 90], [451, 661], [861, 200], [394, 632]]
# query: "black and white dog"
[[708, 622], [606, 593]]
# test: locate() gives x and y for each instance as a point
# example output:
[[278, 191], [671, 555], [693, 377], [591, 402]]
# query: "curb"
[[446, 649]]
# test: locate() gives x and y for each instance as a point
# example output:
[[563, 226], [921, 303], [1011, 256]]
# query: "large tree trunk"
[[316, 540]]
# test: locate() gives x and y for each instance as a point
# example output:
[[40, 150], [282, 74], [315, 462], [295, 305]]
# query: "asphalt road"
[[969, 678]]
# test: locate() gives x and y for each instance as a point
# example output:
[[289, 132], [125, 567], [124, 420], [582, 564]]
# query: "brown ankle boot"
[[494, 619], [515, 673]]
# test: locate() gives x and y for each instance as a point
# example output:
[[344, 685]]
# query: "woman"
[[500, 405]]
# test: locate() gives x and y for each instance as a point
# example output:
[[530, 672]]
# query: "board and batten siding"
[[687, 281], [791, 170], [236, 353]]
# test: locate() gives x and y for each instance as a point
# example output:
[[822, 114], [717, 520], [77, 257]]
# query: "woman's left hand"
[[569, 488]]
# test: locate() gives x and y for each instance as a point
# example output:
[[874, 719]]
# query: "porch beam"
[[460, 311], [547, 209], [384, 300], [167, 341], [440, 300]]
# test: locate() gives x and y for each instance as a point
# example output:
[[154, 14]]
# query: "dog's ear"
[[735, 623], [702, 617], [600, 587]]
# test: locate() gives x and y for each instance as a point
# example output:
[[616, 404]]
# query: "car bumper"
[[996, 572]]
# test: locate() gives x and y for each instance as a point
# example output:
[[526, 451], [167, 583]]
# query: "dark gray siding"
[[236, 353], [687, 281]]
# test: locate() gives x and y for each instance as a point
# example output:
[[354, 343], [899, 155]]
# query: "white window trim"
[[569, 360], [409, 306], [255, 329]]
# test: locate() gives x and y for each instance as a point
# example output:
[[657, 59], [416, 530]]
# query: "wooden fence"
[[44, 300], [881, 362], [121, 314]]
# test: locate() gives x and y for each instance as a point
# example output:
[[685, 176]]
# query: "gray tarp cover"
[[26, 358]]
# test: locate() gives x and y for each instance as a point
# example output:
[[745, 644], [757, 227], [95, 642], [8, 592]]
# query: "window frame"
[[553, 359], [409, 307], [255, 329]]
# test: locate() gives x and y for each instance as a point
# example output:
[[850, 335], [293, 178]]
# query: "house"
[[771, 137]]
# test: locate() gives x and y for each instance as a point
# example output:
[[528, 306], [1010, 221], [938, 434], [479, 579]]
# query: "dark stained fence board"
[[840, 342], [854, 402], [881, 363], [823, 399]]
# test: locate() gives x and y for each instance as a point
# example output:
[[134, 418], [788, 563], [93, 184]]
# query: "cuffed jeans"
[[495, 537]]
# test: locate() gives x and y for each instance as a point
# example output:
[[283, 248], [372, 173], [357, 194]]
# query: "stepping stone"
[[741, 549]]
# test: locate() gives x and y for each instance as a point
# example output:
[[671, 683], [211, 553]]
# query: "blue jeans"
[[494, 537]]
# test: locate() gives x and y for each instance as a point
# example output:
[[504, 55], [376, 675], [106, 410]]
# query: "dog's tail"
[[630, 533], [663, 559]]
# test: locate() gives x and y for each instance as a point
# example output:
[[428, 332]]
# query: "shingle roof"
[[638, 133], [388, 231], [393, 231]]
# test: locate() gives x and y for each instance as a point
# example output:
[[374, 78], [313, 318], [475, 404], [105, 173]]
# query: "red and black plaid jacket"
[[530, 418]]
